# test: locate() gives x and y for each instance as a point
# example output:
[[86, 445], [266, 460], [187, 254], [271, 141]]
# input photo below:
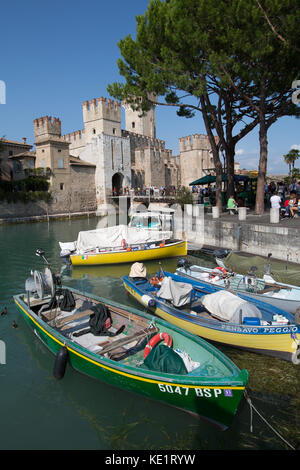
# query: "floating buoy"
[[148, 301], [60, 363]]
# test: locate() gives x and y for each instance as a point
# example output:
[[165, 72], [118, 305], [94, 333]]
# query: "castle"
[[90, 165], [133, 157]]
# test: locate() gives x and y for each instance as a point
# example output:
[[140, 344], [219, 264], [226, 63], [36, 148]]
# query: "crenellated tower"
[[136, 123], [195, 157], [45, 127], [52, 150], [101, 115]]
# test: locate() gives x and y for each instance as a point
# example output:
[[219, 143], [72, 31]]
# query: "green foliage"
[[184, 196], [40, 172], [221, 58], [291, 157], [25, 190], [293, 176]]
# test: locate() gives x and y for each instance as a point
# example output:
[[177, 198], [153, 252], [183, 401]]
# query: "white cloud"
[[295, 147], [240, 152]]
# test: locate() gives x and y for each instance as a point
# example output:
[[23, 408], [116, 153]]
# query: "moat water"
[[39, 412]]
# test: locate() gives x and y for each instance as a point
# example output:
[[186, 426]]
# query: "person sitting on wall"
[[232, 205], [293, 205], [286, 207]]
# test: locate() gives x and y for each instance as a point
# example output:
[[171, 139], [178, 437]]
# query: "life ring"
[[219, 268], [157, 339], [154, 281]]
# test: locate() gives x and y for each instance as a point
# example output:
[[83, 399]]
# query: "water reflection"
[[81, 413]]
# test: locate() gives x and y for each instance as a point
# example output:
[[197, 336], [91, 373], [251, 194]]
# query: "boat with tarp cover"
[[281, 271], [218, 315], [130, 349], [121, 244]]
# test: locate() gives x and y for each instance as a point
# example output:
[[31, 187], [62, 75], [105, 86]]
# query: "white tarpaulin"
[[179, 293], [113, 237], [229, 307], [67, 247]]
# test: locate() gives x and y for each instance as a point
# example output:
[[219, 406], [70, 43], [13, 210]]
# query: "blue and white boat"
[[218, 315], [266, 289]]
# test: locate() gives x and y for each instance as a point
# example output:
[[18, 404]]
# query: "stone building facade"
[[88, 167], [128, 158], [11, 154], [72, 180]]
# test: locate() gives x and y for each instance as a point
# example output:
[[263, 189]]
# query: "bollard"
[[215, 212], [242, 213], [274, 215]]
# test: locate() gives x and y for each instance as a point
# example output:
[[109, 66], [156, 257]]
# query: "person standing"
[[275, 201]]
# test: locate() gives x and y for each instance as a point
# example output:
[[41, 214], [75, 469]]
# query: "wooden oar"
[[71, 318], [128, 339]]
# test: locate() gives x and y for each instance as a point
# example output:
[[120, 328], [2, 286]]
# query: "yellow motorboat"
[[130, 254]]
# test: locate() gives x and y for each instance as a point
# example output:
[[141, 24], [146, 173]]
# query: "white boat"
[[283, 296]]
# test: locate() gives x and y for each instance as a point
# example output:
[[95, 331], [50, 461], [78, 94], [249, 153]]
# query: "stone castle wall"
[[195, 157]]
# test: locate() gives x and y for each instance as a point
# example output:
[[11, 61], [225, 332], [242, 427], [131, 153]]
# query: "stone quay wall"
[[257, 239]]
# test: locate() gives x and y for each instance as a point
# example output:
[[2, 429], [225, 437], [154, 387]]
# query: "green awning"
[[204, 180], [207, 179]]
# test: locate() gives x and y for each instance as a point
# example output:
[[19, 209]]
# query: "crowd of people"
[[281, 195], [284, 197], [205, 192], [145, 191]]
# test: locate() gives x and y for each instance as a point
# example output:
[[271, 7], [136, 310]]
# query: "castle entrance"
[[117, 181]]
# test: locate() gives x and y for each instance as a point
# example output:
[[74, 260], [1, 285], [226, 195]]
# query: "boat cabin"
[[160, 219]]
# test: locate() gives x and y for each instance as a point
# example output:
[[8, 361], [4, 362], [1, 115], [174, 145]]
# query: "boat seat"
[[73, 329], [139, 280]]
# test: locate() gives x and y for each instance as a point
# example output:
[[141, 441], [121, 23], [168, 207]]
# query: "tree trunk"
[[215, 153], [263, 157], [262, 168], [230, 170], [219, 172]]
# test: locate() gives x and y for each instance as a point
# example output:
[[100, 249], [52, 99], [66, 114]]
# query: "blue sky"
[[54, 55]]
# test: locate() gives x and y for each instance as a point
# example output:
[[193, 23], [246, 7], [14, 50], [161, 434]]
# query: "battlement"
[[143, 140], [44, 126], [101, 108], [195, 142], [74, 137]]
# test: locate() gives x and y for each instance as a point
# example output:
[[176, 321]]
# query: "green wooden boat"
[[202, 380]]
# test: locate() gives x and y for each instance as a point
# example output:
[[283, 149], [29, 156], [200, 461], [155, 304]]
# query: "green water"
[[38, 412]]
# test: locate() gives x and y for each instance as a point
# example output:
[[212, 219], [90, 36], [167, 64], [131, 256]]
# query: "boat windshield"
[[142, 221]]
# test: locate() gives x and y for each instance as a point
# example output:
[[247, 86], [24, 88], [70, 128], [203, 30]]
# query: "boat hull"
[[214, 401], [116, 257], [282, 341]]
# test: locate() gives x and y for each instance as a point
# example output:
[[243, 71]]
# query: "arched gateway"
[[117, 181]]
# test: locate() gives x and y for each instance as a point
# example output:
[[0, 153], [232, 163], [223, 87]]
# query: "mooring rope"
[[252, 407]]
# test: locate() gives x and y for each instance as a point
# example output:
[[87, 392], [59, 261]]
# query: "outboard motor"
[[44, 283], [221, 253], [183, 263], [41, 285]]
